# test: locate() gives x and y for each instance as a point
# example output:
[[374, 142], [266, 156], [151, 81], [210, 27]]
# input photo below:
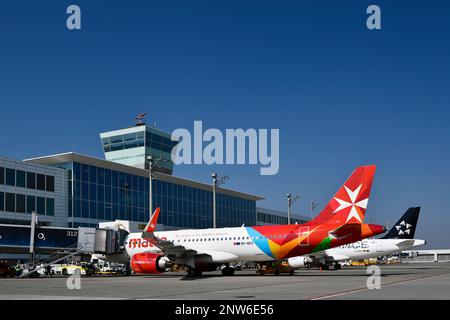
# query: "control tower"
[[132, 146]]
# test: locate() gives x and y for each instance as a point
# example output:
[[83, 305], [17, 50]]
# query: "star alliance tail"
[[405, 228]]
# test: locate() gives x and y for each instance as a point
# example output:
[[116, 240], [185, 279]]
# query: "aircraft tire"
[[325, 267], [198, 273], [227, 272], [191, 273]]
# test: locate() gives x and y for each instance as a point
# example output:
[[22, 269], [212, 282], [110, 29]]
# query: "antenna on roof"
[[140, 119]]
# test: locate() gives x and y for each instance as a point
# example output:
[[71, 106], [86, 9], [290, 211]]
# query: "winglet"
[[151, 226]]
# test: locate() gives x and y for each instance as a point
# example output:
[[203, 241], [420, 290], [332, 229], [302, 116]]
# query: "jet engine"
[[149, 263], [298, 262]]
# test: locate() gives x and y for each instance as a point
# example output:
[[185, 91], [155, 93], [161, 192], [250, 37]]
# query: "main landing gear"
[[192, 273], [228, 272], [336, 266], [324, 266]]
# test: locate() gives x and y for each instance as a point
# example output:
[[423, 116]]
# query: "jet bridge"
[[49, 245]]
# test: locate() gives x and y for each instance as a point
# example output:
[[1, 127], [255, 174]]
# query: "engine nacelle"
[[299, 262], [149, 263]]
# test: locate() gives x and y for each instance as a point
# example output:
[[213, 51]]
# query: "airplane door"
[[303, 236]]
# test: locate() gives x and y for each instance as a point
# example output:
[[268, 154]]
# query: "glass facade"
[[10, 202], [31, 204], [138, 139], [126, 141], [10, 177], [20, 203], [2, 201], [29, 180], [27, 188], [103, 194], [20, 179], [265, 216], [275, 219]]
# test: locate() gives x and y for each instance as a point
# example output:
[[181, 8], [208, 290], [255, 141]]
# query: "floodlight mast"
[[152, 162], [217, 182], [290, 201], [313, 206]]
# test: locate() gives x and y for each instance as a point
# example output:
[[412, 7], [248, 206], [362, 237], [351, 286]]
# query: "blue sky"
[[341, 95]]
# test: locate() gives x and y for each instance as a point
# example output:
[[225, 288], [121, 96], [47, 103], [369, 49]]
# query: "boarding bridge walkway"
[[59, 244]]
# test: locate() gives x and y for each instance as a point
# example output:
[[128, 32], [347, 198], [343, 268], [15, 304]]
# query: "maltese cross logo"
[[354, 212], [403, 228]]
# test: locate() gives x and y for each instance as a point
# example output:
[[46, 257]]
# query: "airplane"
[[202, 250], [399, 238]]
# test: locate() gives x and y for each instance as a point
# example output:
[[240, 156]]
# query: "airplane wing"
[[178, 253], [171, 250]]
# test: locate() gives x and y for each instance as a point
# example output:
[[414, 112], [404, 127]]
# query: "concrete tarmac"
[[403, 281]]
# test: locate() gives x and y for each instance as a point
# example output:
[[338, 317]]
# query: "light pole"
[[313, 206], [214, 177], [216, 183], [152, 162], [290, 201], [32, 236], [150, 185]]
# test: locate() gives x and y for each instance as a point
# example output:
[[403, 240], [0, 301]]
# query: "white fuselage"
[[372, 248], [223, 245]]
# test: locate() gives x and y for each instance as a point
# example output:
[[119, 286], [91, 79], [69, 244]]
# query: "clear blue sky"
[[341, 95]]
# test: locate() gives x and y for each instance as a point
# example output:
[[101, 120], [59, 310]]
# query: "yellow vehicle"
[[68, 269], [364, 263], [358, 263], [275, 268]]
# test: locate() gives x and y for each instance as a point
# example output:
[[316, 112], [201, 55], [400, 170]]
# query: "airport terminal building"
[[74, 190]]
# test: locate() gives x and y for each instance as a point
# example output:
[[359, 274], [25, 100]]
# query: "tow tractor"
[[275, 268]]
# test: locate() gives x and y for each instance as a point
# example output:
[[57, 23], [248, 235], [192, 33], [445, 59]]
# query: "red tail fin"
[[151, 226], [350, 202]]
